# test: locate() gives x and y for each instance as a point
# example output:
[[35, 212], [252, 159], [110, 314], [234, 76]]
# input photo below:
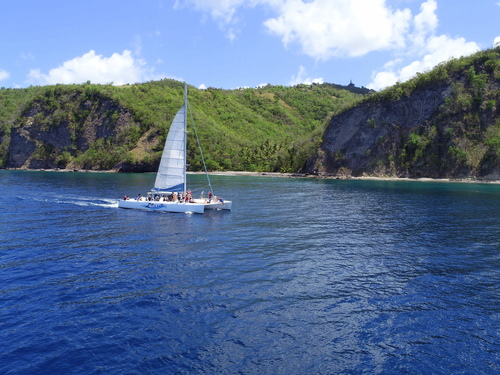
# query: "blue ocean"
[[303, 276]]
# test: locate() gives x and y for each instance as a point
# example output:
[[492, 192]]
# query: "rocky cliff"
[[73, 129], [444, 124], [40, 130]]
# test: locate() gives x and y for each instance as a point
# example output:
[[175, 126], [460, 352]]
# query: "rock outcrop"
[[442, 128], [47, 136]]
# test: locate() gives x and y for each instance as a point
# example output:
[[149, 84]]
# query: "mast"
[[201, 151], [185, 135]]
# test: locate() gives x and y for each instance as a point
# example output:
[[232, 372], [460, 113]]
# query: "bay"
[[303, 276]]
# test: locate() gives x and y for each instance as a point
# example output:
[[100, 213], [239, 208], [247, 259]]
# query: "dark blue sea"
[[304, 276]]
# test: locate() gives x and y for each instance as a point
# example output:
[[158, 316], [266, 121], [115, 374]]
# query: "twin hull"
[[197, 207]]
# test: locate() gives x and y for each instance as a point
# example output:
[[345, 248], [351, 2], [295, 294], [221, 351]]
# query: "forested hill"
[[104, 127], [444, 123]]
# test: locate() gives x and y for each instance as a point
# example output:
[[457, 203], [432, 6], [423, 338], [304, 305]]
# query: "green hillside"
[[443, 123], [104, 127]]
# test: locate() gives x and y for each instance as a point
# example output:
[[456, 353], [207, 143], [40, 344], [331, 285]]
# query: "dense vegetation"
[[470, 115], [442, 123], [273, 128]]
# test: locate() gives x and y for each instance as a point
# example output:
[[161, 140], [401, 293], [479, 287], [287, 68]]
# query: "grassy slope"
[[266, 129]]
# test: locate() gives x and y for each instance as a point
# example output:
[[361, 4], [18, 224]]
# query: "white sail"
[[171, 174]]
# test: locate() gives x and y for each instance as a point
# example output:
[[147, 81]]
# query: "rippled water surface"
[[302, 277]]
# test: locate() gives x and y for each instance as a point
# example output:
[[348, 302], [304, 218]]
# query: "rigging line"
[[199, 146]]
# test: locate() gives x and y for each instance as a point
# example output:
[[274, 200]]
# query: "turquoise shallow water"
[[303, 276]]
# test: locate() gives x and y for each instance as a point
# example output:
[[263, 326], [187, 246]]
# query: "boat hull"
[[226, 205], [161, 206], [197, 207]]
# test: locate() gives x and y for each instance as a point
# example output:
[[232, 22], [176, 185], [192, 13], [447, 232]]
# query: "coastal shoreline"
[[287, 175], [362, 178]]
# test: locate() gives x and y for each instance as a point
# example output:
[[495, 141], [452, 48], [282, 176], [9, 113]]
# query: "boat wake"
[[92, 201], [77, 200]]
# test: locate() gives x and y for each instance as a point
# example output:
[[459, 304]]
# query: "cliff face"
[[445, 129], [58, 133]]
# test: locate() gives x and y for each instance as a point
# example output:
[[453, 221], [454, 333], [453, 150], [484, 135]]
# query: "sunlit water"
[[302, 277]]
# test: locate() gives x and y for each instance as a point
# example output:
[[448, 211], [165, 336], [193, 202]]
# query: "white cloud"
[[496, 41], [426, 49], [321, 28], [425, 23], [222, 11], [137, 43], [118, 68], [302, 78], [438, 49], [381, 80], [325, 28], [4, 74], [28, 56]]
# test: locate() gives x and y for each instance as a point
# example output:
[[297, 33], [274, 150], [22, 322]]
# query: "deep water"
[[303, 277]]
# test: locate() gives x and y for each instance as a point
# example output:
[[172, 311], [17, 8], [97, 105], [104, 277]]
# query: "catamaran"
[[170, 193]]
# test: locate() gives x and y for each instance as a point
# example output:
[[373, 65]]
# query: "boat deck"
[[198, 205]]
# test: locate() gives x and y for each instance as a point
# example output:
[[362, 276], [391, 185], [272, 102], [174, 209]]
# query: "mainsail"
[[171, 174]]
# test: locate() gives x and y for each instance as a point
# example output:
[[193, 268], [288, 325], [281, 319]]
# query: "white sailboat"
[[170, 193]]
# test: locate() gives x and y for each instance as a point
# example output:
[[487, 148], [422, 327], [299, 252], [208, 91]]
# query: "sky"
[[238, 43]]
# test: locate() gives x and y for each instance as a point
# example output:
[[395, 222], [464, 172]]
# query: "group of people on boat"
[[175, 198]]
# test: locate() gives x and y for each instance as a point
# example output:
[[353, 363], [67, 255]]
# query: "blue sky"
[[238, 43]]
